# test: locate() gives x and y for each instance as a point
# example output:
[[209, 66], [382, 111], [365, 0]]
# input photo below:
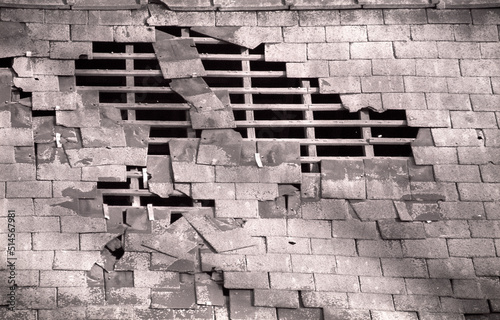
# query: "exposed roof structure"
[[250, 159]]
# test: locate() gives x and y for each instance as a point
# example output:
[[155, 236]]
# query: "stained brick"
[[309, 69], [457, 173], [79, 296], [36, 298], [474, 85], [228, 18], [471, 247], [278, 18], [350, 68], [344, 247], [346, 34], [41, 31], [374, 209], [304, 34], [269, 263], [379, 248], [66, 17], [34, 260], [55, 241], [406, 267], [490, 50], [425, 84], [388, 33], [63, 279], [91, 33], [309, 18], [444, 101], [336, 283], [401, 230], [324, 209], [479, 192], [193, 18], [449, 16], [354, 229], [288, 52], [361, 17], [386, 179], [29, 189], [385, 285], [266, 227], [405, 16], [455, 137], [246, 280], [432, 32], [360, 266], [291, 281], [438, 67], [485, 229], [477, 289], [470, 119], [339, 85], [416, 49], [276, 298], [24, 278], [133, 34], [312, 299], [451, 268], [156, 279], [478, 155], [382, 84], [309, 228], [417, 303], [476, 33], [371, 50], [328, 51], [454, 50], [428, 248], [372, 301], [256, 191]]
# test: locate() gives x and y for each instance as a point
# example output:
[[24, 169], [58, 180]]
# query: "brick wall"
[[393, 239]]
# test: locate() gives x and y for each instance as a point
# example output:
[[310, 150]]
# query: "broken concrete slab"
[[343, 179], [248, 37], [197, 93], [178, 58], [105, 156], [103, 137], [222, 235], [52, 164], [220, 147], [56, 100]]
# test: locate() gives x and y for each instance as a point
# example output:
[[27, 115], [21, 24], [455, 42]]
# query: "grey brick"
[[428, 248], [417, 303], [451, 268], [354, 229], [336, 283], [471, 247], [406, 267], [361, 266], [441, 287], [447, 229], [372, 301], [386, 285]]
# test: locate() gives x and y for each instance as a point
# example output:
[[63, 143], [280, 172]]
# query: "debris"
[[178, 58], [219, 147], [197, 93], [247, 37]]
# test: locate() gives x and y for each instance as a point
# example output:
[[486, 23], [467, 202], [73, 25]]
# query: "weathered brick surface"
[[344, 247], [244, 280], [372, 301], [328, 209], [372, 50], [276, 298], [336, 283], [328, 51], [319, 18], [288, 52], [279, 18], [269, 262], [358, 266], [417, 303], [322, 299], [361, 17], [471, 247], [309, 228], [451, 268], [304, 34], [404, 101], [476, 33], [354, 229], [449, 16], [388, 33], [486, 192], [458, 50], [350, 68], [291, 281], [309, 69], [235, 18], [431, 118], [425, 84], [405, 16], [407, 267], [432, 32], [91, 33], [346, 34], [385, 285]]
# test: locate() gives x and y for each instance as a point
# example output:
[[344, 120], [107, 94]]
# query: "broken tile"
[[15, 40], [418, 210], [310, 187], [52, 164], [160, 170], [219, 147], [38, 84], [248, 37], [273, 208], [274, 153], [178, 58], [43, 129], [387, 179], [119, 279], [197, 93], [25, 155], [183, 298], [191, 172], [208, 292], [115, 222], [23, 67], [136, 136], [137, 220], [343, 179], [106, 156], [215, 119], [75, 189], [56, 100], [221, 235], [86, 114], [91, 207], [131, 261], [20, 115], [185, 150], [103, 137], [7, 154], [160, 16]]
